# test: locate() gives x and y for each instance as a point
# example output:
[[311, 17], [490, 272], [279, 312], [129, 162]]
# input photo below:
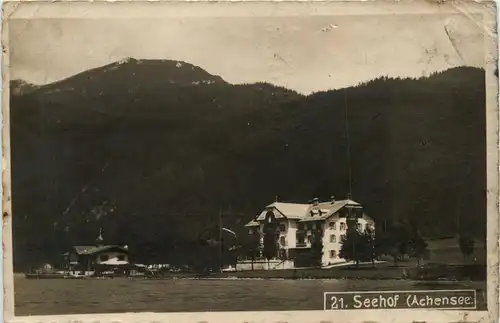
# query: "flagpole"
[[220, 241], [348, 144], [349, 183]]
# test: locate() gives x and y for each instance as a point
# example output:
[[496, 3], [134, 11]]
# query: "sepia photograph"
[[225, 163]]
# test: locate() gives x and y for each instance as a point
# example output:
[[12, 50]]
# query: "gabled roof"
[[324, 210], [89, 250], [252, 223], [286, 210], [303, 212]]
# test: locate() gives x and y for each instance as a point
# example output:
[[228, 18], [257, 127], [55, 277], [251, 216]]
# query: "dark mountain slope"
[[151, 153]]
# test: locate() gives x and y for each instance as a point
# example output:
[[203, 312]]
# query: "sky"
[[306, 54]]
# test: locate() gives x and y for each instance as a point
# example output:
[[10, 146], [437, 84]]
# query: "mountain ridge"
[[166, 159], [211, 77]]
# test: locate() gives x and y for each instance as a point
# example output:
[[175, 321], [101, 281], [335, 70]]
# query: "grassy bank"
[[363, 272], [332, 273], [404, 270]]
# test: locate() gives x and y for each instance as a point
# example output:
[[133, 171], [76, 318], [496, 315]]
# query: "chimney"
[[332, 198]]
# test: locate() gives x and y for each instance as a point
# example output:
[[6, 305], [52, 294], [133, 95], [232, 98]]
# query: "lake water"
[[72, 296]]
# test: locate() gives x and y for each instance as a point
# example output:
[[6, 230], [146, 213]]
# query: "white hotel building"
[[296, 223]]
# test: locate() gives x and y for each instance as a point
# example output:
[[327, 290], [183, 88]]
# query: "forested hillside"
[[152, 151]]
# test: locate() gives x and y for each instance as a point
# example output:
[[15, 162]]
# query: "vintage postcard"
[[250, 162]]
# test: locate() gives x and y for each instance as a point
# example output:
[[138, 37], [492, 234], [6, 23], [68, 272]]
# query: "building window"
[[104, 257], [360, 227], [282, 228], [332, 225], [282, 241], [121, 257], [299, 236], [342, 227], [333, 254], [342, 237], [313, 226], [333, 238]]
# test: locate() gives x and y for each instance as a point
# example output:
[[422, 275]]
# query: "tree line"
[[398, 241], [418, 150]]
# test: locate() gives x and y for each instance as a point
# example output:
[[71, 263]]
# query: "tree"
[[401, 237], [206, 257], [270, 236], [386, 245], [358, 247], [391, 244], [371, 247], [418, 247], [317, 248], [349, 249], [467, 245], [252, 246], [394, 242], [270, 244]]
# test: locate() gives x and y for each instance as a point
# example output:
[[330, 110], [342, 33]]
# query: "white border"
[[141, 9]]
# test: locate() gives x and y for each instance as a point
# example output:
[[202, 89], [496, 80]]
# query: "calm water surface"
[[72, 296]]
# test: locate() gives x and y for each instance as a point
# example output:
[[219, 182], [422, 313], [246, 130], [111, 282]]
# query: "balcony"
[[301, 245]]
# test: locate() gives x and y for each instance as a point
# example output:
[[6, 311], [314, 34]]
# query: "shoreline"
[[339, 273], [421, 281]]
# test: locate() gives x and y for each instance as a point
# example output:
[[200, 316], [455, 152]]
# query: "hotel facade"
[[297, 223]]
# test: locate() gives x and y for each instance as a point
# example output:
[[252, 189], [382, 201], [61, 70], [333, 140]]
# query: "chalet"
[[297, 223], [87, 257]]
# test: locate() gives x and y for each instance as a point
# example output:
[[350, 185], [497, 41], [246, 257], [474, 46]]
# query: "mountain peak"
[[130, 74], [169, 71], [127, 60]]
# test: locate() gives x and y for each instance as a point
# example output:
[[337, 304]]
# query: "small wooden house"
[[86, 257]]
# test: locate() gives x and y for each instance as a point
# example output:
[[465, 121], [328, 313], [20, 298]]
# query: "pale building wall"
[[338, 230], [283, 234], [332, 228], [264, 265], [292, 233], [288, 234], [113, 258]]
